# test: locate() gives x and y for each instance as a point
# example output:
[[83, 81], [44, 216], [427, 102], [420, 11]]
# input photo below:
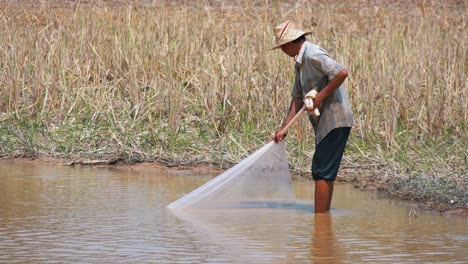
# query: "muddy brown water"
[[57, 214]]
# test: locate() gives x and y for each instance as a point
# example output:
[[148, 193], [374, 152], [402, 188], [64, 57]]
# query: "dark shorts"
[[328, 154]]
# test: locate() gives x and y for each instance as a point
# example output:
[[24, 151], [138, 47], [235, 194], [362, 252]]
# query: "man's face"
[[288, 48]]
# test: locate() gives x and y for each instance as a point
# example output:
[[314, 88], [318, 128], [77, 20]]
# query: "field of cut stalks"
[[190, 82]]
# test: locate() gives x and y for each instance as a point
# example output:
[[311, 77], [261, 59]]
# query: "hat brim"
[[278, 46]]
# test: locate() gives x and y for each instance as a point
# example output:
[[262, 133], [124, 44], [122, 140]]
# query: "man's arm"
[[331, 87]]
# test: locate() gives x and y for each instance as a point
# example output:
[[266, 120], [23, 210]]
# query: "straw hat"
[[287, 32]]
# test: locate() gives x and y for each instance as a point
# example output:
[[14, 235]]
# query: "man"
[[315, 70]]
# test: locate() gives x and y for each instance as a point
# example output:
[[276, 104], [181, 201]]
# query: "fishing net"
[[260, 180]]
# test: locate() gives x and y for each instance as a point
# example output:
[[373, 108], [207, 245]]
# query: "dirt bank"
[[403, 189]]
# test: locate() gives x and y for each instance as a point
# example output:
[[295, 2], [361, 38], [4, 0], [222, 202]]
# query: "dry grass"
[[187, 82]]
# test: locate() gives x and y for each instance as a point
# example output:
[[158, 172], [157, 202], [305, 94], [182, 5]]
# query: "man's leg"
[[325, 166], [330, 194], [323, 195]]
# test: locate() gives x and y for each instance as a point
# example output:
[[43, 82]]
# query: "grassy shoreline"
[[188, 84]]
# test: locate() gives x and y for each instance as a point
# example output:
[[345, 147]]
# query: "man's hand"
[[309, 103], [310, 99], [278, 136]]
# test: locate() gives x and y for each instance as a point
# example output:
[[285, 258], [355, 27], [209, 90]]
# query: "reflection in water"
[[325, 248], [98, 215]]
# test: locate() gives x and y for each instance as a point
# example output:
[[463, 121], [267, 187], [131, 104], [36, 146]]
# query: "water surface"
[[59, 214]]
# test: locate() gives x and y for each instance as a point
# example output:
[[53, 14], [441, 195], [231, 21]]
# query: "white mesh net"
[[260, 180]]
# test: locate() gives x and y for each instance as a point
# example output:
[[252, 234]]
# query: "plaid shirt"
[[314, 69]]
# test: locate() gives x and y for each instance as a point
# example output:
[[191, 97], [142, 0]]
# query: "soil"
[[363, 183], [377, 184]]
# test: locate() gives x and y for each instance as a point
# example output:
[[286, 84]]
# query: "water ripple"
[[96, 215]]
